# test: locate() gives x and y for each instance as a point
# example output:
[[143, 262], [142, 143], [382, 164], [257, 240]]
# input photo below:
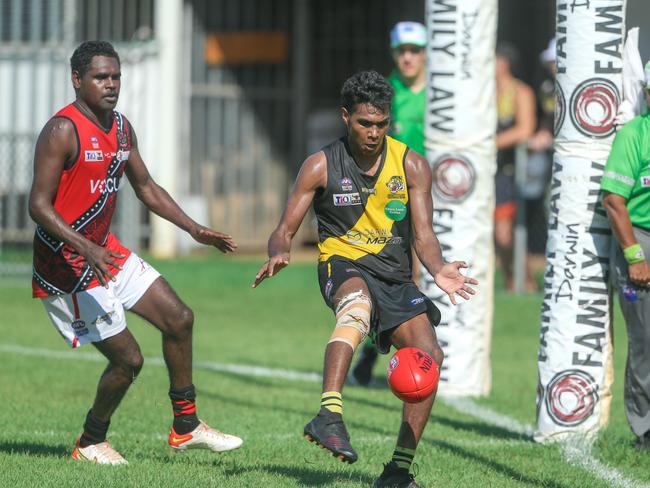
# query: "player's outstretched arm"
[[57, 147], [312, 175], [156, 198], [446, 275]]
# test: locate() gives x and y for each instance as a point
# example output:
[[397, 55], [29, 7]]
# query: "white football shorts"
[[99, 313]]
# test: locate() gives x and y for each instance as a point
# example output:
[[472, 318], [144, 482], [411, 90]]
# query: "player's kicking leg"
[[416, 332], [163, 308], [352, 305]]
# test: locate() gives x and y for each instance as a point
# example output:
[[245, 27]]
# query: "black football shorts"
[[392, 303]]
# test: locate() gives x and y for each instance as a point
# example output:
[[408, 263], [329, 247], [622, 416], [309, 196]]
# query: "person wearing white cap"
[[626, 187], [407, 41]]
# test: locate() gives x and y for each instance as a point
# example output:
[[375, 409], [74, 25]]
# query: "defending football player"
[[372, 198], [86, 278]]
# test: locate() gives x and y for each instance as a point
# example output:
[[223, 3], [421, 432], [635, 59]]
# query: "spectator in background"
[[538, 170], [542, 140], [408, 41], [515, 125]]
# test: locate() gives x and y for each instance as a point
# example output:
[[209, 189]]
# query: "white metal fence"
[[37, 38]]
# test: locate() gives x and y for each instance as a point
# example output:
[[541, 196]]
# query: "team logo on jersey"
[[395, 184], [593, 107], [571, 397], [346, 184], [453, 177], [94, 142], [122, 140], [93, 156], [346, 199], [645, 181]]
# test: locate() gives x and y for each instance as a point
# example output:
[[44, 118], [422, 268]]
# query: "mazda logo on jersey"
[[109, 185], [93, 156]]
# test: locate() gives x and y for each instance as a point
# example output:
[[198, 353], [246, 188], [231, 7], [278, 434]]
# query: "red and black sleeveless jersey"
[[85, 199]]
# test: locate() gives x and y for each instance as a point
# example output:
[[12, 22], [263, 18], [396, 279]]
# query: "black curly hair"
[[83, 55], [367, 87]]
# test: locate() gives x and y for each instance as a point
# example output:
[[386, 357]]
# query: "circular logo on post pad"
[[594, 103], [453, 177], [571, 397], [395, 210], [560, 109]]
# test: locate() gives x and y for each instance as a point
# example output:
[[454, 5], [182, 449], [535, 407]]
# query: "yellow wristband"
[[634, 254]]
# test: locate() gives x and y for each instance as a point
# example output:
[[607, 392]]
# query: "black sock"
[[184, 405], [94, 430]]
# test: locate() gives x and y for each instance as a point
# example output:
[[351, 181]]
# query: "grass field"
[[46, 391]]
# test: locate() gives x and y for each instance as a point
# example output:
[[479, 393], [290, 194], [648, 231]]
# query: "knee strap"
[[352, 319]]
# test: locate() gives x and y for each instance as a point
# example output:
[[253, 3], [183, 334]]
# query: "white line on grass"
[[577, 454], [469, 407], [239, 369]]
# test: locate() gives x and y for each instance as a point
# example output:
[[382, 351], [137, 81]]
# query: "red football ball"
[[412, 374]]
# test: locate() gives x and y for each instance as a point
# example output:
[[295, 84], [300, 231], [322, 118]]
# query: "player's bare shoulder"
[[313, 172], [58, 138], [417, 170], [58, 130]]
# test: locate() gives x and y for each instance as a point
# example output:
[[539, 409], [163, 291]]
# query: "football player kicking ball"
[[86, 278], [372, 199]]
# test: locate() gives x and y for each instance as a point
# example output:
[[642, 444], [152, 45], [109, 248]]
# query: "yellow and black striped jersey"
[[366, 218]]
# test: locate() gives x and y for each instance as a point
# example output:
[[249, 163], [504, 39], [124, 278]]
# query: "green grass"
[[283, 324]]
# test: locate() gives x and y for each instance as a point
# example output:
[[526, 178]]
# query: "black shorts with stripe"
[[392, 303]]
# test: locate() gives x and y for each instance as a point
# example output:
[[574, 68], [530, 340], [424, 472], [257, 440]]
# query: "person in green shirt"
[[407, 41], [626, 198]]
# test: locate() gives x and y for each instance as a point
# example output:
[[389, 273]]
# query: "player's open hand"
[[450, 280], [99, 260], [271, 267], [209, 237]]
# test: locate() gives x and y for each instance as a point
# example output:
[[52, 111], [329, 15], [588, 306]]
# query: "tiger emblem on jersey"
[[395, 184]]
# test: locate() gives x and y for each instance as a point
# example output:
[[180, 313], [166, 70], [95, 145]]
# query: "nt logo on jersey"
[[108, 185]]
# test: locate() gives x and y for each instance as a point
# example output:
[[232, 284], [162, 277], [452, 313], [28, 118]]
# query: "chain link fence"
[[37, 38]]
